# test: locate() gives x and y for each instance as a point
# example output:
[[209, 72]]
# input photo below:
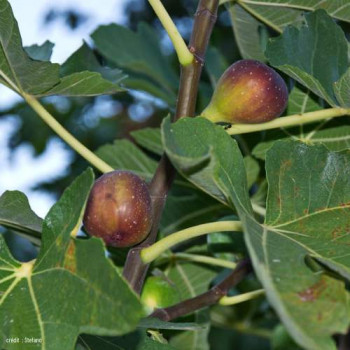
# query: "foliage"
[[289, 187]]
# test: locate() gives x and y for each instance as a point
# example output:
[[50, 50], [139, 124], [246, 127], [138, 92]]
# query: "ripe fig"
[[248, 92], [119, 209], [158, 293]]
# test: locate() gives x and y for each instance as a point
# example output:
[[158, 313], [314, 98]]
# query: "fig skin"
[[119, 209], [248, 92]]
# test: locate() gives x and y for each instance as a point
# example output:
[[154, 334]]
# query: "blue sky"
[[23, 171]]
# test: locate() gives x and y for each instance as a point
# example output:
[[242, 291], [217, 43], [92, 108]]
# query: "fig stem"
[[152, 252], [241, 297], [289, 121], [97, 162], [203, 259], [183, 53]]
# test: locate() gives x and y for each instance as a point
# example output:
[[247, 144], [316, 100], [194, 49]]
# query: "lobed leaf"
[[16, 213], [23, 74], [150, 139], [62, 293], [339, 9], [124, 155], [138, 54], [191, 280], [307, 216], [41, 52], [304, 54]]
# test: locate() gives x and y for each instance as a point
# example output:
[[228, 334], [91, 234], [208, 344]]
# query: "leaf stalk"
[[97, 162], [154, 251], [237, 299], [183, 53], [289, 121]]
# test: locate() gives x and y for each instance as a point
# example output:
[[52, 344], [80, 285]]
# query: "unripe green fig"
[[158, 293], [119, 209], [248, 92]]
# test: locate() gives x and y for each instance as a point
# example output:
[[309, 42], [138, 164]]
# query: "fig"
[[248, 92], [119, 209], [158, 292]]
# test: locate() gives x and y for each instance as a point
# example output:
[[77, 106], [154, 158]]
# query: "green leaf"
[[335, 139], [252, 169], [275, 17], [246, 30], [226, 245], [339, 9], [299, 224], [16, 213], [155, 323], [139, 55], [191, 280], [150, 139], [215, 64], [300, 101], [87, 301], [304, 54], [186, 207], [22, 74], [83, 84], [307, 216], [84, 59], [124, 155], [134, 341], [281, 340], [17, 70], [40, 52], [210, 158], [342, 90], [312, 199]]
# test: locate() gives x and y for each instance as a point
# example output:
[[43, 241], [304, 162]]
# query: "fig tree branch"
[[152, 252], [206, 299], [289, 121], [183, 53], [135, 270]]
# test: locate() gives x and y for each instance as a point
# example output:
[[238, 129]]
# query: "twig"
[[206, 299], [134, 270]]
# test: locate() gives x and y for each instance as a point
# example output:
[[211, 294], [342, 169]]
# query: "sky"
[[22, 171]]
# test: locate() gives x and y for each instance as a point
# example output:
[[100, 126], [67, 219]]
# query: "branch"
[[344, 341], [206, 299], [134, 269], [289, 121], [183, 53], [149, 254]]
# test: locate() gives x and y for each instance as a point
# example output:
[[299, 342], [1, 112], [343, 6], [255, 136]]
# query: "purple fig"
[[119, 209], [248, 92]]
